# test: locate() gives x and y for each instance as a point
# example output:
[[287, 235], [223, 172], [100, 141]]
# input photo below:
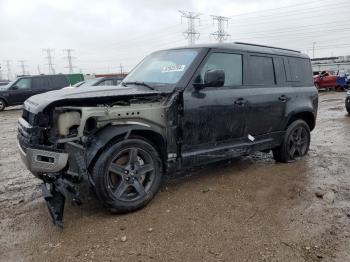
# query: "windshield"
[[163, 67]]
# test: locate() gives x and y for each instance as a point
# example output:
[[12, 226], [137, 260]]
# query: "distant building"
[[335, 64]]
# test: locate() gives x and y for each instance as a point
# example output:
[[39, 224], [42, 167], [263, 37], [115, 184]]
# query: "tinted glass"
[[106, 83], [230, 63], [299, 70], [261, 71], [40, 83], [279, 70], [58, 81], [23, 83], [164, 67]]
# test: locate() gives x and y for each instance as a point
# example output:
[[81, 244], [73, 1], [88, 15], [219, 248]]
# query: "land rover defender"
[[178, 108]]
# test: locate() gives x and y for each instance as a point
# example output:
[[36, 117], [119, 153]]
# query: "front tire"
[[347, 105], [127, 175], [295, 143], [2, 104]]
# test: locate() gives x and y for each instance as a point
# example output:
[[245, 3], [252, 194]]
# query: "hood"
[[38, 103]]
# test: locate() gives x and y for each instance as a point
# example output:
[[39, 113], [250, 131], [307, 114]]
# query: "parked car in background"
[[99, 81], [327, 80], [16, 92]]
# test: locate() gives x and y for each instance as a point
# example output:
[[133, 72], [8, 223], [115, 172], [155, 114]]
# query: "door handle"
[[283, 98], [241, 102]]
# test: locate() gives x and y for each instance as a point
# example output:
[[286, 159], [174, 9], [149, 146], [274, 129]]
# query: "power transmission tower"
[[313, 49], [23, 66], [8, 66], [69, 58], [191, 34], [49, 58], [220, 35]]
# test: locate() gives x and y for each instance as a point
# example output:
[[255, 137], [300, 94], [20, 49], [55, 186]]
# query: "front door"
[[214, 118], [21, 91]]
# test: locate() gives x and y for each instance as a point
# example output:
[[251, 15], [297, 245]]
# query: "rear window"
[[40, 83], [261, 71], [58, 81], [298, 70]]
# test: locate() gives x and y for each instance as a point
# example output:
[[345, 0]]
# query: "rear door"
[[268, 96], [40, 84]]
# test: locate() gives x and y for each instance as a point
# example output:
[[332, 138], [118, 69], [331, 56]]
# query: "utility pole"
[[121, 69], [313, 49], [8, 66], [49, 58], [191, 34], [220, 35], [69, 58], [39, 72], [23, 66]]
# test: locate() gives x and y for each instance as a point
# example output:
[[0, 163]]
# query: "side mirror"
[[214, 78], [14, 87]]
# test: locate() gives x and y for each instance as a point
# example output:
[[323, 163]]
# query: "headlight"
[[348, 92], [68, 122]]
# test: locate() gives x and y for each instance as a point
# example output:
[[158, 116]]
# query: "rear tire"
[[127, 175], [295, 143], [2, 104]]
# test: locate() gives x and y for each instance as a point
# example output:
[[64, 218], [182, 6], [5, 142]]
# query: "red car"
[[326, 80]]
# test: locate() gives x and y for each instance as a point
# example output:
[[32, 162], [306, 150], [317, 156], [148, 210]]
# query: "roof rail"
[[241, 43]]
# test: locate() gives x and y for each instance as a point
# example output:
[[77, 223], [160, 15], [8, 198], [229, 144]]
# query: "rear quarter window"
[[299, 70]]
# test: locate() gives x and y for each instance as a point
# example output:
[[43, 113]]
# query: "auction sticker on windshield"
[[173, 68]]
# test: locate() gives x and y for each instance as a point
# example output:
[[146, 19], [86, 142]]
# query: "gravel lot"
[[246, 209]]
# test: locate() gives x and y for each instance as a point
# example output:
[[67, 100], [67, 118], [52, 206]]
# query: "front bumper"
[[42, 161]]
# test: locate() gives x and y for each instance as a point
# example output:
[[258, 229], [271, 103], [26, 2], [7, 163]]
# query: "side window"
[[117, 81], [261, 71], [230, 63], [280, 71], [24, 83], [106, 83], [40, 83], [299, 70], [58, 81]]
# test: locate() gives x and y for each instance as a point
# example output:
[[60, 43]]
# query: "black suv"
[[16, 92], [178, 108]]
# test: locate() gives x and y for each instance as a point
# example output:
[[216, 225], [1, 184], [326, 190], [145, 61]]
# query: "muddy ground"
[[246, 209]]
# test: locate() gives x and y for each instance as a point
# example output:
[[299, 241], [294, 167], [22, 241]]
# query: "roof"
[[238, 46]]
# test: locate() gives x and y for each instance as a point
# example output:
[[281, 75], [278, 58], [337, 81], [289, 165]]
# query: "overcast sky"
[[105, 34]]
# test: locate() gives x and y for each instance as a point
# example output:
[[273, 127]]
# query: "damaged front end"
[[58, 144]]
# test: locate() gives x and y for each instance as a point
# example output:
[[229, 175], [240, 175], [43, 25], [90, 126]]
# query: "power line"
[[69, 58], [191, 34], [220, 35], [8, 66], [49, 58], [23, 66]]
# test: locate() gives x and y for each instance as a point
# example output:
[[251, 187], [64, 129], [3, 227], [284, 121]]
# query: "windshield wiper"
[[138, 84]]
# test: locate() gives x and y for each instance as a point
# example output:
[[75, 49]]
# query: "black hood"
[[38, 103]]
